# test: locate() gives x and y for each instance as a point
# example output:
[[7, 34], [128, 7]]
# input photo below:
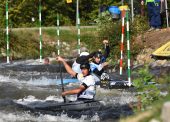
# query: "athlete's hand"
[[105, 64], [105, 41], [58, 58], [63, 94]]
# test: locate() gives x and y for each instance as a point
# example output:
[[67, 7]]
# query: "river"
[[28, 81]]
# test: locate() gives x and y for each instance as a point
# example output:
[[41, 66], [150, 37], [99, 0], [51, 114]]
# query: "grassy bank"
[[24, 42]]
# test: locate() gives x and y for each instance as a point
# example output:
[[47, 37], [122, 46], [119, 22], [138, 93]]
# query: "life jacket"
[[89, 82]]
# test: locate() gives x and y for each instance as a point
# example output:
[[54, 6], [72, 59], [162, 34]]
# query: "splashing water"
[[28, 86]]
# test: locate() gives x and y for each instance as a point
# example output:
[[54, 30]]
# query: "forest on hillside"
[[24, 13]]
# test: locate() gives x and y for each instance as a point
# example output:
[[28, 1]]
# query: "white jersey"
[[89, 83], [76, 67]]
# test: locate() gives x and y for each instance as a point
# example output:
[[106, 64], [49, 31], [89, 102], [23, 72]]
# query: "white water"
[[22, 117], [27, 91]]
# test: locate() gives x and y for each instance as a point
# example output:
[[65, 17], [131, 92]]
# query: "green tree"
[[21, 12], [2, 41]]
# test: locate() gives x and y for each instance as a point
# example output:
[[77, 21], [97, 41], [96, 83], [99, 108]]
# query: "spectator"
[[153, 7]]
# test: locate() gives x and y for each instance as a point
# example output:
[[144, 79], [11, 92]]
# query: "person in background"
[[153, 7], [46, 61], [98, 62], [97, 66], [86, 57], [86, 91], [76, 64]]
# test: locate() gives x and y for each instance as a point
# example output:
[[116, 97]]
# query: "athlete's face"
[[97, 59], [85, 71]]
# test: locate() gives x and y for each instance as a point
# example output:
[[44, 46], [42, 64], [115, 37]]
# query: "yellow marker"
[[163, 51], [69, 1], [125, 7]]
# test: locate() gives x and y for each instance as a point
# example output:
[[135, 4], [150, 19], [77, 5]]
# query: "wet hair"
[[46, 60]]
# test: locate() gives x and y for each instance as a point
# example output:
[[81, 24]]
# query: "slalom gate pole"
[[58, 35], [167, 16], [7, 32], [78, 28], [122, 39], [40, 31], [128, 47]]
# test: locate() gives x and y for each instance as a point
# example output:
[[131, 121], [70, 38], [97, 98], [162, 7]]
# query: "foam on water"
[[28, 62], [42, 81], [36, 82], [30, 98], [121, 97], [7, 79], [27, 116], [127, 97]]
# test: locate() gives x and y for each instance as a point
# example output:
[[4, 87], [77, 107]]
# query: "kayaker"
[[97, 68], [86, 91], [85, 57]]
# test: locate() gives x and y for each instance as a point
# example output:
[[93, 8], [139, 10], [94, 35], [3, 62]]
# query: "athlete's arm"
[[67, 67], [107, 51], [75, 91]]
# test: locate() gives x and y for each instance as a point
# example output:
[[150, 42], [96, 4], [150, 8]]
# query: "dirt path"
[[154, 39]]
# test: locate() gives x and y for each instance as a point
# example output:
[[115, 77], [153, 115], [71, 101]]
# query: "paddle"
[[61, 76]]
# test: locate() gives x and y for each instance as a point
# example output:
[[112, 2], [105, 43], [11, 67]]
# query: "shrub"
[[144, 84], [139, 25], [111, 29]]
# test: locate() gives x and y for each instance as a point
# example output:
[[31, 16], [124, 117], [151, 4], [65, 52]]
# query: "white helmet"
[[84, 54]]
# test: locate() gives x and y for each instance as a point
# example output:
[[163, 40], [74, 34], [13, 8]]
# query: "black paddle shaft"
[[62, 84]]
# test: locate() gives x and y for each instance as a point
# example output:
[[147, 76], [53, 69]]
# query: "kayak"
[[119, 84], [114, 84], [58, 106]]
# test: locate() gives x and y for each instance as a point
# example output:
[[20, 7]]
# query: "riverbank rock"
[[144, 57], [166, 112], [158, 63], [150, 41]]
